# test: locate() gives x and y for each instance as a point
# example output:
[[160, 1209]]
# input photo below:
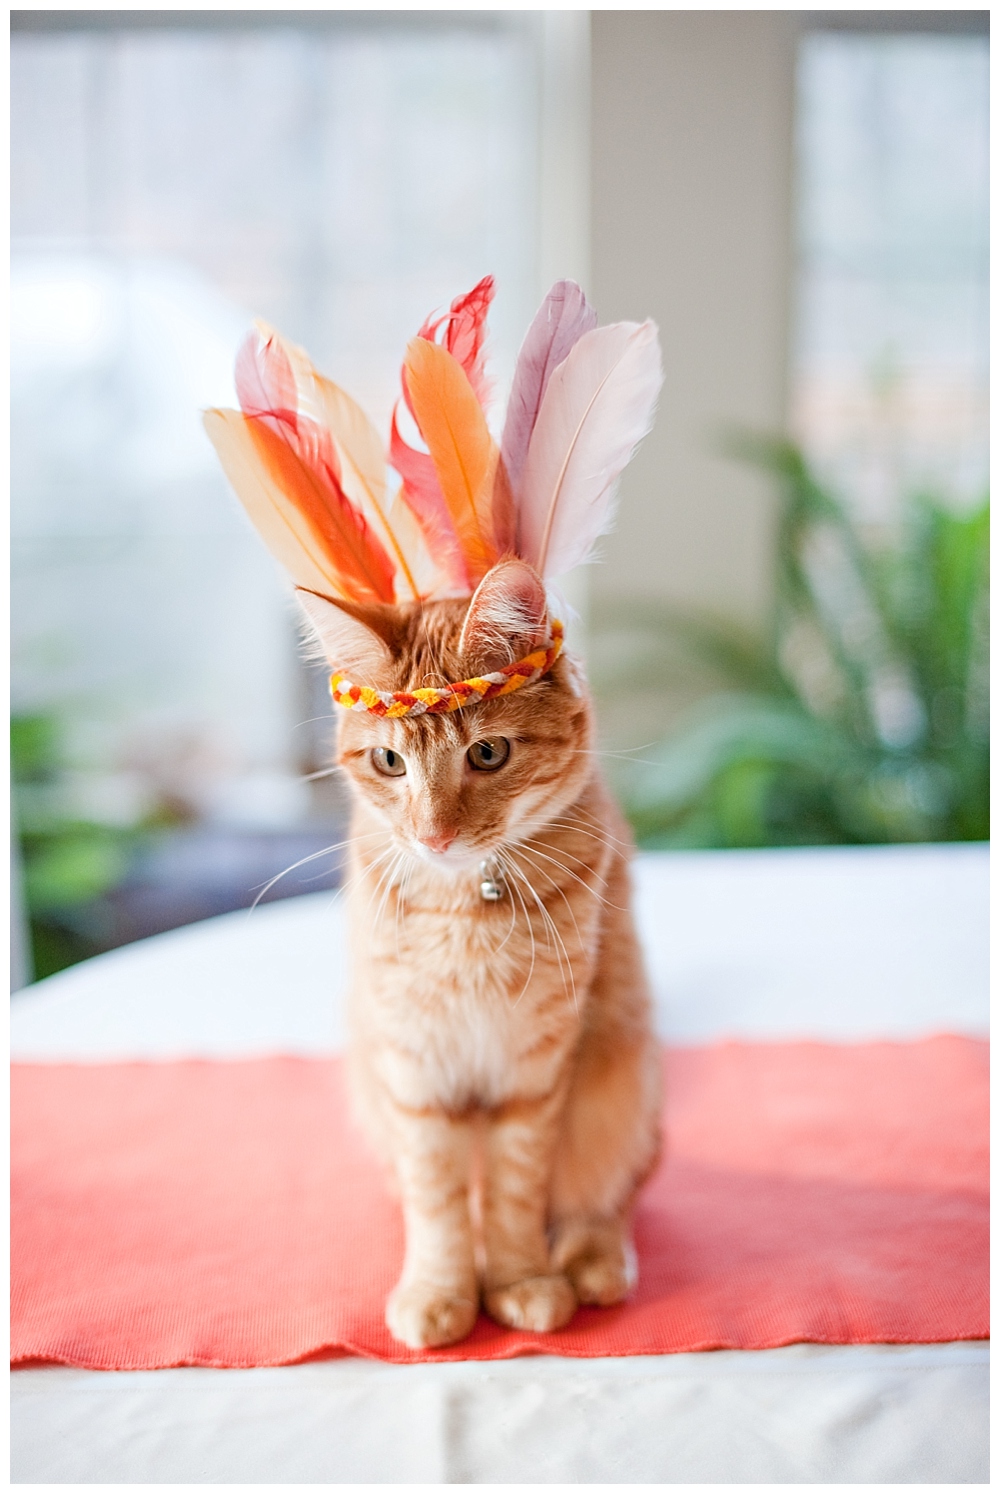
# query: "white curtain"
[[167, 186]]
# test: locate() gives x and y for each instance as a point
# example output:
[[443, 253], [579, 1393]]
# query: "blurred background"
[[795, 597]]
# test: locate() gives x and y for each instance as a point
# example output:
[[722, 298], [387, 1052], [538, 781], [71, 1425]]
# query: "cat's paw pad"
[[539, 1303], [426, 1317]]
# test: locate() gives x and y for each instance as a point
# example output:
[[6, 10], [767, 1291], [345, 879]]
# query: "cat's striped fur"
[[502, 1056]]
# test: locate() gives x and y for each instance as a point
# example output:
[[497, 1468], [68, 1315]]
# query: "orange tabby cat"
[[502, 1054]]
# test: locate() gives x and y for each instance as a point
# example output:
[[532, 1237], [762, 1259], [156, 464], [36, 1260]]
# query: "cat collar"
[[438, 701]]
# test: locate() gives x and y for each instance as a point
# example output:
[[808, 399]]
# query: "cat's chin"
[[455, 862]]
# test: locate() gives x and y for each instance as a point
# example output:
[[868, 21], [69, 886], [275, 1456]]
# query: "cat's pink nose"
[[439, 843]]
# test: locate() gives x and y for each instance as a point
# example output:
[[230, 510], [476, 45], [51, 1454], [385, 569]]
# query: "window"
[[890, 372], [168, 184]]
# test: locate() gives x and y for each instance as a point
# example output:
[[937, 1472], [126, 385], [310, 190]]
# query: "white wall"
[[691, 139]]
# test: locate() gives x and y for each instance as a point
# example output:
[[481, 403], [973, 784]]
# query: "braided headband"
[[449, 697]]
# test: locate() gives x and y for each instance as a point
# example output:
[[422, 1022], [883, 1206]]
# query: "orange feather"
[[275, 374], [312, 483], [465, 456], [277, 520], [296, 501]]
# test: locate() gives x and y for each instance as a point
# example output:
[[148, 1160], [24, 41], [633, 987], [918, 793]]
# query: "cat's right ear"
[[506, 616], [350, 644]]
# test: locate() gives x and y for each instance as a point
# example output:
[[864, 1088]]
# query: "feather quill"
[[428, 576], [597, 407], [562, 319], [464, 454]]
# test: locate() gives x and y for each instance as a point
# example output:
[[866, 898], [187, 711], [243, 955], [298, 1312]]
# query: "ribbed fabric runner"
[[228, 1214]]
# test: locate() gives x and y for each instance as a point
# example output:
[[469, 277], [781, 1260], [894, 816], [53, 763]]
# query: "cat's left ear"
[[506, 617]]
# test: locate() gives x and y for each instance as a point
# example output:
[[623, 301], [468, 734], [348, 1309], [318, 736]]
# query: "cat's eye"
[[386, 761], [489, 754]]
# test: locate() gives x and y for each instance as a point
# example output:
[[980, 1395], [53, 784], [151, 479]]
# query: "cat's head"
[[454, 788]]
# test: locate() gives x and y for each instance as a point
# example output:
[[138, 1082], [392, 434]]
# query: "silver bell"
[[491, 887]]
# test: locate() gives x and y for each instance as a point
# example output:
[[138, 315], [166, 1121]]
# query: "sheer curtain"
[[168, 184]]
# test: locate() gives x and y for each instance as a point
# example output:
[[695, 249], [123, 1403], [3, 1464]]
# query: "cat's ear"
[[354, 640], [506, 617]]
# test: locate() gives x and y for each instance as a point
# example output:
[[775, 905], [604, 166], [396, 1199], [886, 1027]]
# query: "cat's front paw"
[[538, 1303], [423, 1316]]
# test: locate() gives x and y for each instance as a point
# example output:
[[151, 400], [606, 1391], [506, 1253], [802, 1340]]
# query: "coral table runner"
[[228, 1214]]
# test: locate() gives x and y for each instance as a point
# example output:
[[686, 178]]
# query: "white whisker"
[[555, 886], [625, 754], [326, 851], [530, 840], [595, 831], [502, 858], [310, 720], [558, 947], [387, 861], [392, 870], [510, 930], [571, 873], [400, 899]]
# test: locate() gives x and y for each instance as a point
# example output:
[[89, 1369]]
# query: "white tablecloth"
[[838, 944]]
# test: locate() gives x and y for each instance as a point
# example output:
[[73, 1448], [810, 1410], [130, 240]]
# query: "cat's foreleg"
[[520, 1288], [437, 1297], [608, 1145], [609, 1137]]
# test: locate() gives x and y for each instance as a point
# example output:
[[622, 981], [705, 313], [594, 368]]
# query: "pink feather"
[[597, 407], [266, 389], [265, 380], [421, 492], [562, 319]]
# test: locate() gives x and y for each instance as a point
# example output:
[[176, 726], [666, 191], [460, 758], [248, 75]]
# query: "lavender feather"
[[562, 319]]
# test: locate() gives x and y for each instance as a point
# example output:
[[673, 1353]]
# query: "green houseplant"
[[69, 863], [859, 716]]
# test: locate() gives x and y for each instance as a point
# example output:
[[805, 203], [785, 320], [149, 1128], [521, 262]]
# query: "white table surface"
[[842, 944]]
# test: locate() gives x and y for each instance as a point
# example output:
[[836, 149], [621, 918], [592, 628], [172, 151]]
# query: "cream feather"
[[359, 445], [598, 405]]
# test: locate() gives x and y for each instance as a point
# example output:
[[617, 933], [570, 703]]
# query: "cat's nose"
[[439, 843]]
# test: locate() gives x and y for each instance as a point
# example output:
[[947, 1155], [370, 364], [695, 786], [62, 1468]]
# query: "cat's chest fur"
[[463, 1003]]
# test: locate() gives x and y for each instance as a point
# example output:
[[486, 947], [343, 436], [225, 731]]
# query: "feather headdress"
[[312, 474]]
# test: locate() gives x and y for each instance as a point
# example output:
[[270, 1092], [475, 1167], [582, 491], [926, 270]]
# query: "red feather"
[[465, 333]]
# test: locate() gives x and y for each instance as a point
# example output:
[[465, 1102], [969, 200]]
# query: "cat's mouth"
[[452, 860]]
